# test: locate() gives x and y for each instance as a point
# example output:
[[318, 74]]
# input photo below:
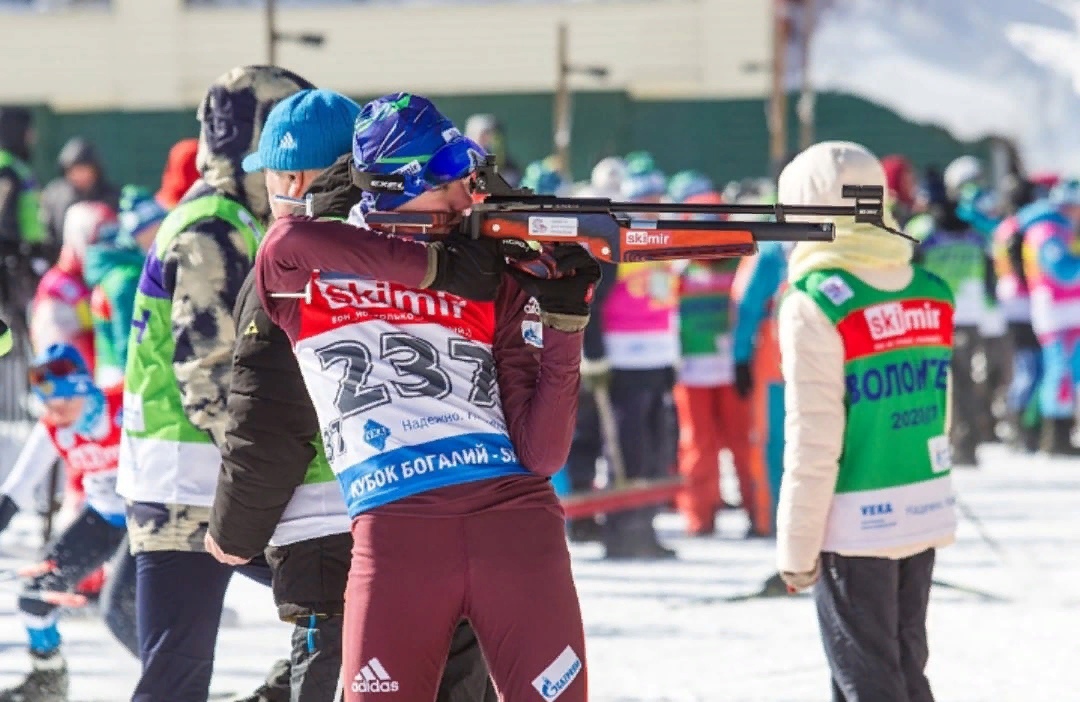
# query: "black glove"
[[8, 509], [565, 291], [472, 268], [744, 380]]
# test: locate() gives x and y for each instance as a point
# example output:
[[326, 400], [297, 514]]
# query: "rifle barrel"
[[592, 205], [762, 231]]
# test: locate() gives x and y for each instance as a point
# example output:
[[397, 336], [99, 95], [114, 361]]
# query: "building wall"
[[160, 54], [682, 81]]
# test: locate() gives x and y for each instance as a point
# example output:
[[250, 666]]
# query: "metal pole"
[[562, 102], [52, 506], [271, 33], [806, 96], [609, 431], [778, 96]]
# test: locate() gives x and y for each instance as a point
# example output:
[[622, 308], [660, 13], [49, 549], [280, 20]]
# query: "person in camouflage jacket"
[[176, 383]]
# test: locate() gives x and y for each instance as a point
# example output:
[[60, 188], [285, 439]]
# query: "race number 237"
[[421, 371]]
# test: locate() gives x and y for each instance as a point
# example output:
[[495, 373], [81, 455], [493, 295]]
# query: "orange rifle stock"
[[611, 232]]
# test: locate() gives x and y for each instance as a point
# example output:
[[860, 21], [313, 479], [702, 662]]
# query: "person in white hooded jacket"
[[866, 497]]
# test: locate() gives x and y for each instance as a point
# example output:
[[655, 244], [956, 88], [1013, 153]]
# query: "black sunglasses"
[[59, 368]]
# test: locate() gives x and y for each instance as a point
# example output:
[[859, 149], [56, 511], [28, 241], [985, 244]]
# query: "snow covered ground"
[[662, 632]]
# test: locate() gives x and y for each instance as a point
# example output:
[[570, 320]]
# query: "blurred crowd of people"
[[81, 238], [688, 349], [680, 365], [685, 349]]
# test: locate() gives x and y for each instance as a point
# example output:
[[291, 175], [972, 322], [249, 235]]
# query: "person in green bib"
[[176, 382], [19, 223], [959, 254], [866, 497]]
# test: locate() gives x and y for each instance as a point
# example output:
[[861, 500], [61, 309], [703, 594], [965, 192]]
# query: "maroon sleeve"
[[296, 246], [538, 387]]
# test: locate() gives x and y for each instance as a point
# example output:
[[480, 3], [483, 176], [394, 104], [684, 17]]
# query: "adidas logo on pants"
[[374, 678]]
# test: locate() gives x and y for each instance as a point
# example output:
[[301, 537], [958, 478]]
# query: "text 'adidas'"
[[374, 678]]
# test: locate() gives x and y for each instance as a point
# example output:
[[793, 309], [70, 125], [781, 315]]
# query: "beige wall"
[[146, 54]]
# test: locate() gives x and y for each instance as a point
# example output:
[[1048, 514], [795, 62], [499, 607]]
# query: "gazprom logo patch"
[[375, 434], [558, 676]]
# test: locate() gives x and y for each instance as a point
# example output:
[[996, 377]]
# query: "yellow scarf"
[[856, 246]]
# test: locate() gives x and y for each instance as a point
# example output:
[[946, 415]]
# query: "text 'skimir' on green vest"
[[894, 484], [154, 416], [31, 230]]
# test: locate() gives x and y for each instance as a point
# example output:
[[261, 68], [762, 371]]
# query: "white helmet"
[[479, 124], [960, 172], [608, 175]]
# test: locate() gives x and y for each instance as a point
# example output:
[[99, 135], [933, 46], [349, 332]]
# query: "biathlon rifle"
[[610, 231]]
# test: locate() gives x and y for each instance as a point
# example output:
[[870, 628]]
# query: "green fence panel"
[[726, 139]]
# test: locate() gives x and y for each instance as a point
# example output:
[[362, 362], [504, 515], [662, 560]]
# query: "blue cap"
[[138, 210], [543, 177], [405, 137], [686, 184], [60, 372], [642, 178], [308, 130]]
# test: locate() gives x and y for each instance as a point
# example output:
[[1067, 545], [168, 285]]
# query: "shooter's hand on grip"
[[565, 291], [471, 268]]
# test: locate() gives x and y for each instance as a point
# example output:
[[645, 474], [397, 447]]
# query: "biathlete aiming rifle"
[[610, 230]]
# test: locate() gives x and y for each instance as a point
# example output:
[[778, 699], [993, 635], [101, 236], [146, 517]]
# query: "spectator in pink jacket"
[[60, 311]]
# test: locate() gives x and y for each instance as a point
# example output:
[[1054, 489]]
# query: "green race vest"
[[156, 428], [705, 304], [893, 485], [31, 231], [317, 506]]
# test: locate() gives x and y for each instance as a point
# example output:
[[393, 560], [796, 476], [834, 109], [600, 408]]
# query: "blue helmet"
[[686, 184], [643, 178], [59, 372], [403, 147], [542, 177], [138, 210]]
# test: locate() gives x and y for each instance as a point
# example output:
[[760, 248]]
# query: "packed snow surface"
[[663, 632]]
